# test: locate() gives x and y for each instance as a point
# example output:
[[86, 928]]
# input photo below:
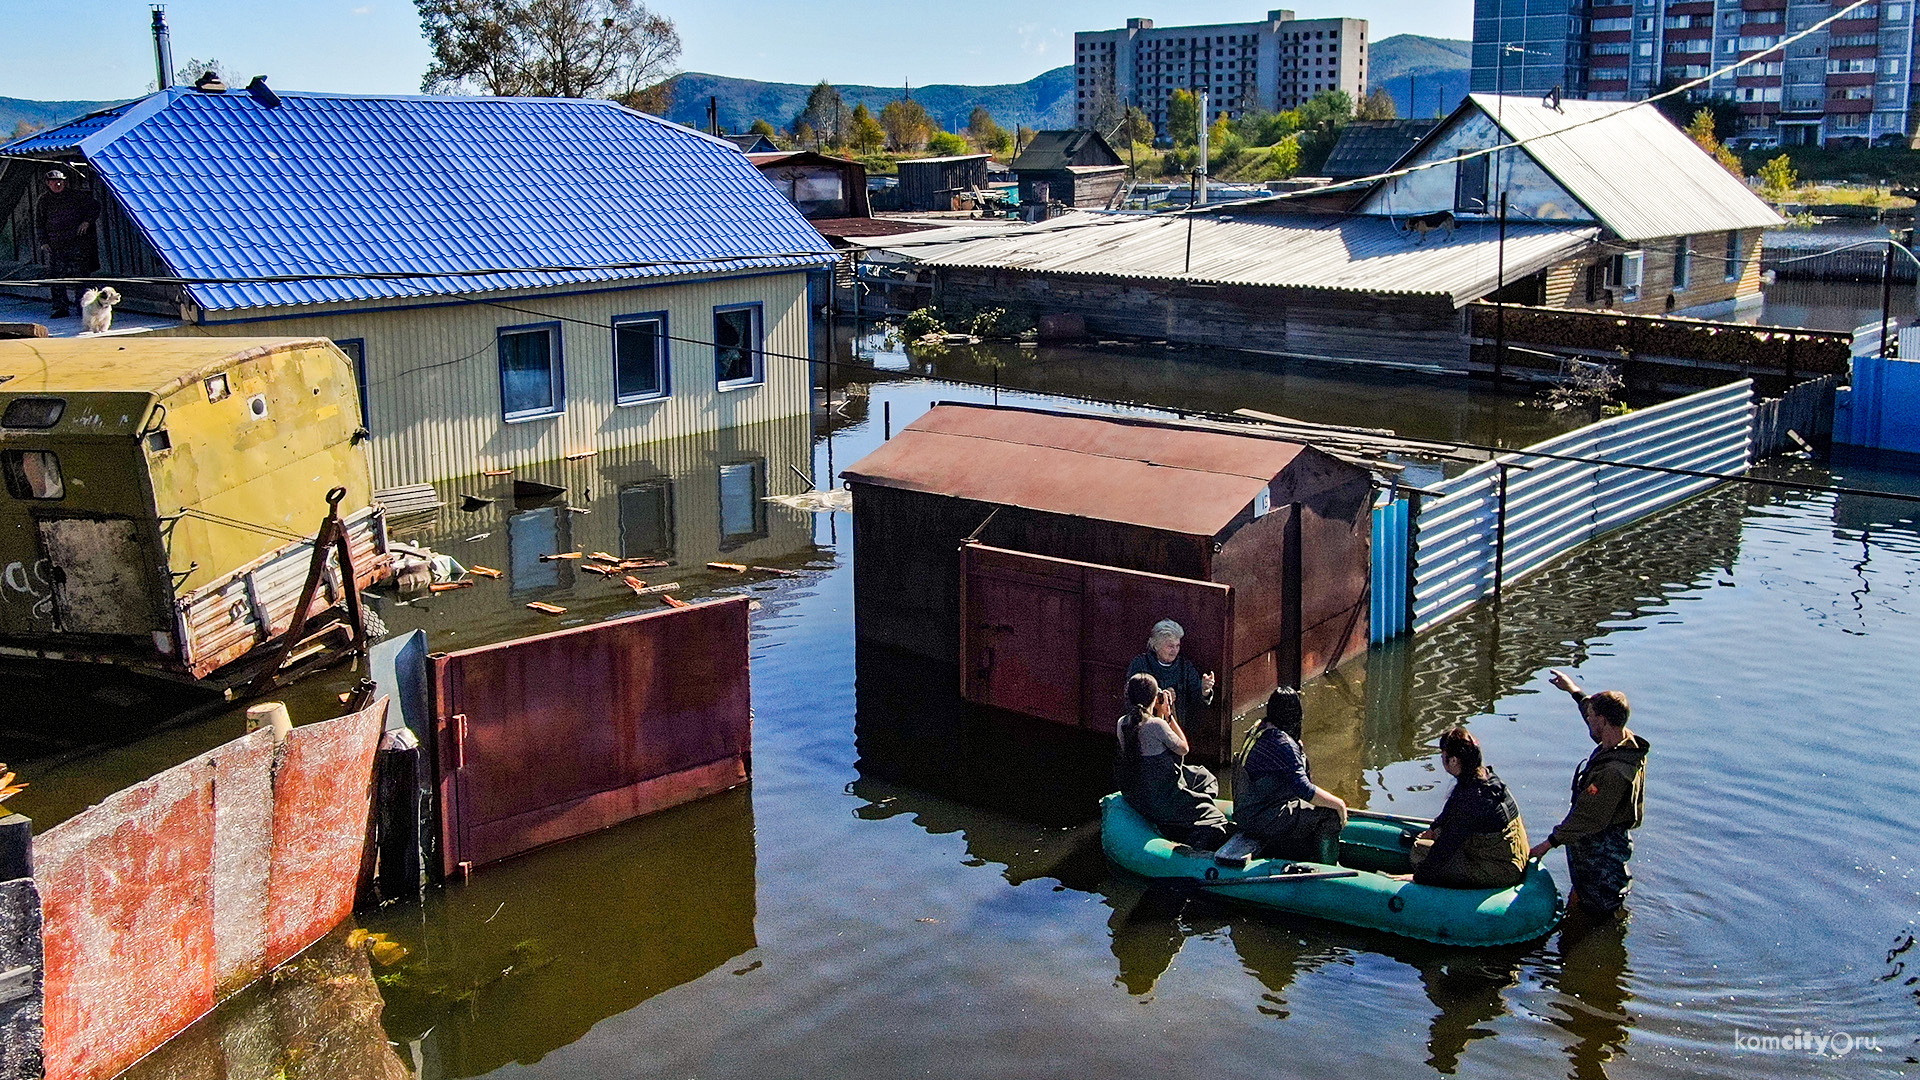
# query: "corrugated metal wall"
[[433, 375], [1387, 618], [1485, 528]]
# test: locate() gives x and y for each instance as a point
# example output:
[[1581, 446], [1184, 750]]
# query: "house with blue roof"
[[517, 280]]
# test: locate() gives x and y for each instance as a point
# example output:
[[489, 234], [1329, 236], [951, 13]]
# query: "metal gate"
[[1052, 638], [555, 736]]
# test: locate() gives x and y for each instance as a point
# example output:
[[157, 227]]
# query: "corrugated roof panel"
[[1640, 175], [66, 136], [334, 184], [1301, 251]]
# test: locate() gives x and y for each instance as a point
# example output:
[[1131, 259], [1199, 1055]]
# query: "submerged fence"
[[1496, 523]]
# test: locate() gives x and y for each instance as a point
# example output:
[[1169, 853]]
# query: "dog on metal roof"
[[96, 309], [1438, 221]]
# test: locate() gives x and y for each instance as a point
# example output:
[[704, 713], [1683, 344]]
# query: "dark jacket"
[[1609, 789], [1479, 840], [61, 217], [1181, 677], [1271, 780]]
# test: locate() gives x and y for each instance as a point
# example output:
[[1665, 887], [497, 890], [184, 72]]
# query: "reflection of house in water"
[[528, 957], [687, 501]]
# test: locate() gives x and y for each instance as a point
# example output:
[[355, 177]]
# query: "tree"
[[190, 72], [1321, 119], [1106, 111], [864, 133], [1135, 128], [22, 129], [947, 144], [907, 123], [549, 48], [986, 133], [1778, 179], [1700, 130], [804, 135], [1377, 106], [1183, 117], [825, 115], [766, 131]]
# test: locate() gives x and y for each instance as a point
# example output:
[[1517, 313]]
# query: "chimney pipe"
[[162, 48]]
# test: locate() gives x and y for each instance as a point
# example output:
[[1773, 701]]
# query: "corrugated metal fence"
[[1387, 619], [1498, 522]]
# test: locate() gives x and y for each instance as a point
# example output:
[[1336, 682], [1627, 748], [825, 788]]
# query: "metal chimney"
[[162, 48]]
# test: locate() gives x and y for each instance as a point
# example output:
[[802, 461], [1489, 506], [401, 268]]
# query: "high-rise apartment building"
[[1848, 84], [1272, 65]]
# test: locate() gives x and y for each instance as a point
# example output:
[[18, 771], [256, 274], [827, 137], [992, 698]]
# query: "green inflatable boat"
[[1357, 892]]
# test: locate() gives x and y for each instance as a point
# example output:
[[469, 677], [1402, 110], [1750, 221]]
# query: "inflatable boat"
[[1358, 892]]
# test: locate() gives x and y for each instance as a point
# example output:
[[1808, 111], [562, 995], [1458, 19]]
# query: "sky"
[[100, 49]]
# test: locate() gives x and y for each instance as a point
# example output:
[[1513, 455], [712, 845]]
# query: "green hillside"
[[41, 114], [1439, 69], [1045, 101]]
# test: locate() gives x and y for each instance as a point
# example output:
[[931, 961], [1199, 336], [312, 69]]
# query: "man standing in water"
[[1609, 801]]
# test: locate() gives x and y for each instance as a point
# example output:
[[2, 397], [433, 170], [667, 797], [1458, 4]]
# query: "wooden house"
[[932, 183], [1072, 168]]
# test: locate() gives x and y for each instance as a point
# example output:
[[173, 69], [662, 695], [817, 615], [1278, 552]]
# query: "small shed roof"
[[1138, 472], [1370, 147], [1052, 151], [128, 365], [953, 159], [225, 187]]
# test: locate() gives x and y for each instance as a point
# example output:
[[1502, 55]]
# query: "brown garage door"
[[555, 736], [1052, 638]]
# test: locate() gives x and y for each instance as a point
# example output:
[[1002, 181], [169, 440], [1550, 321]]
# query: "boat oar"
[[1370, 815], [1317, 875]]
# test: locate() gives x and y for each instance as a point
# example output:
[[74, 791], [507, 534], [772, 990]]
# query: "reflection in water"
[[1590, 973], [528, 956], [1467, 987], [316, 1018]]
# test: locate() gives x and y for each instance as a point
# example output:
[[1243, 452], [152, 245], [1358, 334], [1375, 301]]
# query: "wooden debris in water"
[[450, 586], [674, 601], [665, 587], [604, 557], [581, 454], [578, 510], [738, 568], [483, 571], [561, 555], [777, 570], [498, 472], [643, 564], [639, 587], [818, 502], [547, 609], [596, 568]]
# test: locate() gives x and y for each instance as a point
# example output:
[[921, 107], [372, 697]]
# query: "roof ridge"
[[1112, 457]]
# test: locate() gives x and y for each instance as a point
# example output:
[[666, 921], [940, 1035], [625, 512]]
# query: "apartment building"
[[1270, 65], [1848, 84]]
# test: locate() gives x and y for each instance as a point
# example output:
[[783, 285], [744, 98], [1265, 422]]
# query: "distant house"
[[517, 280], [820, 186], [753, 143], [931, 183], [1072, 168], [1371, 147], [1608, 206]]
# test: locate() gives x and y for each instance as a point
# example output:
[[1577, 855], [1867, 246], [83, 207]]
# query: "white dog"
[[96, 309]]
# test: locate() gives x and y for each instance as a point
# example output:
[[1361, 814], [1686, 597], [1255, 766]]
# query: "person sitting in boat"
[[1478, 841], [1276, 801], [1174, 672], [1153, 776]]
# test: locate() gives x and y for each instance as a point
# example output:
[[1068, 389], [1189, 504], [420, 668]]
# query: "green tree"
[[947, 144], [1224, 145], [1778, 179], [986, 132], [547, 48], [1135, 128], [864, 133], [767, 131], [1283, 160], [804, 135], [907, 123], [1183, 117], [1321, 120], [1700, 130], [1377, 106]]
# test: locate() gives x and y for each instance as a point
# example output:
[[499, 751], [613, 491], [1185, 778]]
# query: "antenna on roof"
[[162, 48]]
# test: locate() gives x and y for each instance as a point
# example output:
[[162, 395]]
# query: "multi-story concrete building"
[[1271, 65], [1848, 84]]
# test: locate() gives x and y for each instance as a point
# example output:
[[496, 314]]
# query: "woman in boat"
[[1174, 672], [1478, 841], [1153, 776], [1276, 801]]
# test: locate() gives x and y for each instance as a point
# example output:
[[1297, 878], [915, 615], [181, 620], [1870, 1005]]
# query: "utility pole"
[[1200, 198]]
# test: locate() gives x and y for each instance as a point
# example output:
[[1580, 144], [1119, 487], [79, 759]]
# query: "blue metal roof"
[[67, 136], [332, 184]]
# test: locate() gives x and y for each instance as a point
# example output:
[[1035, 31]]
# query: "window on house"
[[33, 474], [743, 505], [646, 519], [356, 350], [639, 357], [1682, 262], [1734, 266], [1470, 185], [738, 359], [530, 374]]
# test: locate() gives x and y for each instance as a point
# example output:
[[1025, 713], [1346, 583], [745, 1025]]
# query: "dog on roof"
[[96, 309], [1438, 221]]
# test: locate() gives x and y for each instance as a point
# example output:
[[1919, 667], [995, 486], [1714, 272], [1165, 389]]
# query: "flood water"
[[908, 888]]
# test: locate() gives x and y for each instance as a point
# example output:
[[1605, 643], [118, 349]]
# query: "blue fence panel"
[[1387, 616]]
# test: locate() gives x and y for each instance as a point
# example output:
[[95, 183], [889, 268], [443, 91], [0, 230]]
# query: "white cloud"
[[363, 9]]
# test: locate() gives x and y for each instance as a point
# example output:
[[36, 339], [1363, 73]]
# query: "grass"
[[1816, 165]]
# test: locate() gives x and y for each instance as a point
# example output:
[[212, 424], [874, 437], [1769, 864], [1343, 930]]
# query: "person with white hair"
[[1174, 672]]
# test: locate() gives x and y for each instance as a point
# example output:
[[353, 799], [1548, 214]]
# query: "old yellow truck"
[[162, 494]]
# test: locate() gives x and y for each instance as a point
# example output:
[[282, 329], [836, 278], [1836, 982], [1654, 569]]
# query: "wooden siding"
[[433, 375], [1707, 280]]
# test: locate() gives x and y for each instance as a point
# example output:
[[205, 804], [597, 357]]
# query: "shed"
[[1073, 168], [162, 493], [931, 183], [1371, 147], [820, 186], [1037, 549]]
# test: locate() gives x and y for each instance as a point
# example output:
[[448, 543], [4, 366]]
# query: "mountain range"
[[1438, 68]]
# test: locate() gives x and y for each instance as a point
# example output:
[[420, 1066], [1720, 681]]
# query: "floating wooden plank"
[[777, 570], [643, 564], [604, 557], [665, 587], [581, 454], [578, 510], [498, 472], [738, 568], [639, 587], [674, 601], [596, 568], [548, 609], [449, 586], [483, 571], [561, 555]]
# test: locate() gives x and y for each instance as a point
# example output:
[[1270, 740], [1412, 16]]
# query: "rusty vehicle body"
[[161, 495], [1036, 549]]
